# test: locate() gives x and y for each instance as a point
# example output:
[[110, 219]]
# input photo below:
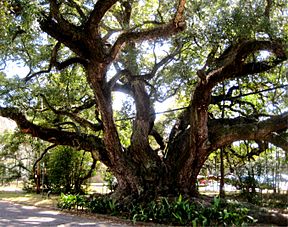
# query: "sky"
[[6, 124]]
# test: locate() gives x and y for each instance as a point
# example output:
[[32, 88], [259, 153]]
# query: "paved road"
[[21, 215]]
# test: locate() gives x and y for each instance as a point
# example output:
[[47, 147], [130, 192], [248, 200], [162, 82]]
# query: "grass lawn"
[[29, 199]]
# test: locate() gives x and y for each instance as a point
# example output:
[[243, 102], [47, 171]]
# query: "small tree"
[[67, 170]]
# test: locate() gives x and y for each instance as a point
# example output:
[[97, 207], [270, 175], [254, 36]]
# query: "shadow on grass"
[[29, 199]]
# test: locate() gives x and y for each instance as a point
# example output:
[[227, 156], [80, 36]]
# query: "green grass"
[[29, 199]]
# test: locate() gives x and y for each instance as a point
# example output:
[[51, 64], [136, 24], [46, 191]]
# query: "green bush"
[[103, 205], [184, 212], [178, 211], [225, 214], [72, 202], [66, 169]]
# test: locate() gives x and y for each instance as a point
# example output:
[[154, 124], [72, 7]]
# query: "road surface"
[[21, 215]]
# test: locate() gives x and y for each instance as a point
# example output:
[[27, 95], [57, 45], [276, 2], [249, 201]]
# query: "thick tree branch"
[[87, 104], [240, 51], [158, 32], [70, 61], [100, 8], [59, 66], [233, 62], [224, 134], [68, 34], [84, 122], [175, 26], [269, 4], [79, 141], [279, 140]]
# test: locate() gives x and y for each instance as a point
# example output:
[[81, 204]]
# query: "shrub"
[[184, 212], [178, 211], [67, 169], [72, 201], [104, 205]]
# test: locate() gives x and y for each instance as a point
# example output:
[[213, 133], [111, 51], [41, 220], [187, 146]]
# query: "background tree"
[[67, 170], [60, 169], [18, 153], [80, 53]]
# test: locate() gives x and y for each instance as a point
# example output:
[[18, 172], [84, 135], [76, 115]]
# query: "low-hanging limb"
[[82, 141], [267, 130]]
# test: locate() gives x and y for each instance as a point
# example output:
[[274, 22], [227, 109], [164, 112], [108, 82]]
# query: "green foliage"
[[17, 154], [109, 178], [72, 201], [185, 212], [208, 25], [179, 211], [65, 168], [104, 205], [274, 200], [100, 204], [50, 99]]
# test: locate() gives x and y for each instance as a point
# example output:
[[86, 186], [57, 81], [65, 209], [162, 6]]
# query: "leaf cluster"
[[178, 211], [65, 168]]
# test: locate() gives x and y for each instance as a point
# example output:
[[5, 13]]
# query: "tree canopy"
[[224, 64]]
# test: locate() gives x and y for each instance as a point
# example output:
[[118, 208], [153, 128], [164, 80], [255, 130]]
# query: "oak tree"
[[227, 55]]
